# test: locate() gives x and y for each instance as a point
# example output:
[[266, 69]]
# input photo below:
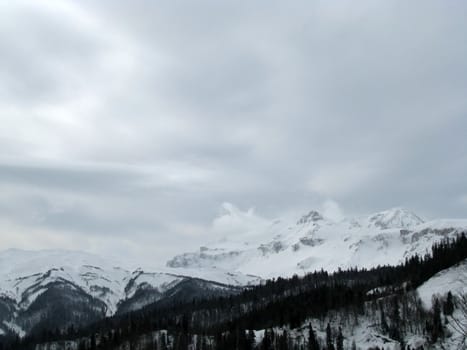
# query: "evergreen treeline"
[[226, 322]]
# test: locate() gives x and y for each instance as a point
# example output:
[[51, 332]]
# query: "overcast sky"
[[124, 126]]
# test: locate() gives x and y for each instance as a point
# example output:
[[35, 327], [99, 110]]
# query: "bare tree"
[[459, 320]]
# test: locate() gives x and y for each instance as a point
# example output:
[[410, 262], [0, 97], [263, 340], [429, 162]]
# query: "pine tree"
[[437, 326], [266, 344], [283, 341], [199, 343], [93, 342], [395, 330], [329, 343], [82, 345], [448, 307], [251, 340], [163, 341], [340, 340], [312, 341], [383, 322]]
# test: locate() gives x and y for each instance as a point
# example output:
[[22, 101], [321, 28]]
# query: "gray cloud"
[[136, 121]]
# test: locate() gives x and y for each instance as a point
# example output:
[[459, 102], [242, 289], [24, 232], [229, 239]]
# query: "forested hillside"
[[317, 311]]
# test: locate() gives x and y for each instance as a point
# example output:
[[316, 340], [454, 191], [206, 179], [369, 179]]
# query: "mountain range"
[[313, 242], [36, 286]]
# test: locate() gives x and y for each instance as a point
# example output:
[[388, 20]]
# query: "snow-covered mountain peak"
[[32, 282], [394, 218], [312, 216], [26, 275], [287, 246], [18, 262]]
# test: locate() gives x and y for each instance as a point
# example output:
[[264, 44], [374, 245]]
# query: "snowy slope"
[[312, 242], [453, 279], [29, 280], [25, 274]]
